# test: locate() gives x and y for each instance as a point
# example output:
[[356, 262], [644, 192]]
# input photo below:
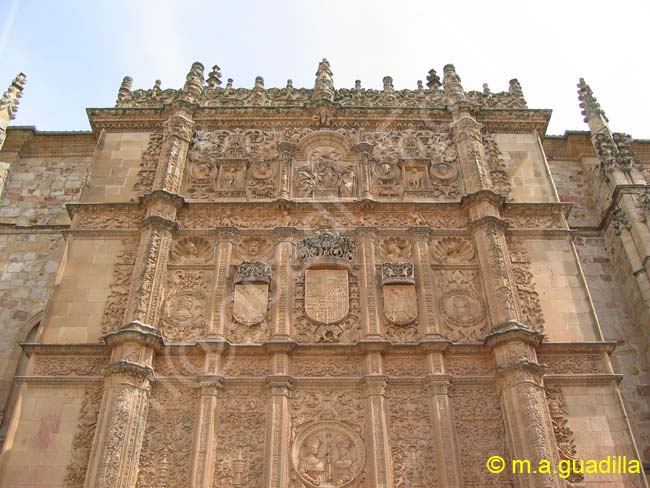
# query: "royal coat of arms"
[[327, 297]]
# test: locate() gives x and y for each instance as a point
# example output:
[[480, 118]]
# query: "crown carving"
[[326, 246], [253, 272], [397, 273]]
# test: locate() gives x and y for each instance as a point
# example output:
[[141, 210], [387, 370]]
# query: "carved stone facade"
[[329, 288]]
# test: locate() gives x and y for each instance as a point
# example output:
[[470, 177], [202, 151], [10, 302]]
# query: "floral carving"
[[326, 245], [239, 457], [531, 308], [395, 249], [496, 165], [75, 475], [149, 163], [116, 302], [411, 439], [167, 447], [564, 436]]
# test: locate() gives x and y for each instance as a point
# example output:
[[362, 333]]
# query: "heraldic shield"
[[400, 303], [327, 296], [250, 303]]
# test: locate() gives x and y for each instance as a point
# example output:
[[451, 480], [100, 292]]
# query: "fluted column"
[[285, 157], [375, 392], [363, 150], [368, 284], [284, 287], [217, 323]]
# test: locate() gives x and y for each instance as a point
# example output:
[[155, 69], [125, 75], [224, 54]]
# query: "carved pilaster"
[[376, 426], [496, 270], [282, 316], [285, 157], [363, 149], [277, 437], [203, 448], [217, 324], [520, 385], [122, 417], [176, 142], [368, 285], [444, 431], [425, 287]]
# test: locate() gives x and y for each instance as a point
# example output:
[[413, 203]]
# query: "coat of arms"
[[400, 296], [252, 280], [327, 298]]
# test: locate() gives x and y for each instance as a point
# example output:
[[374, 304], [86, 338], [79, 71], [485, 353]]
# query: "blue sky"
[[75, 53]]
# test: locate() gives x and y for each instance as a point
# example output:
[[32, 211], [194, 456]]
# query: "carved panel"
[[239, 455], [116, 303], [75, 473], [167, 446], [573, 363], [66, 366], [411, 439], [395, 249], [237, 365], [395, 365], [453, 251], [184, 308], [470, 365], [149, 163], [178, 365], [325, 174], [326, 366], [531, 308], [346, 329], [496, 165], [193, 251], [327, 439], [481, 434], [253, 249], [564, 436], [461, 305]]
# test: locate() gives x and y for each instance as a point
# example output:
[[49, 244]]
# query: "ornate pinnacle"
[[214, 78], [515, 90], [259, 83], [124, 91], [324, 86], [388, 84], [357, 85], [193, 83], [10, 98], [229, 83], [433, 80], [453, 89], [420, 86], [589, 103]]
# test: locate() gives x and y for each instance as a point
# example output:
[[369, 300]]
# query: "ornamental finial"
[[589, 103], [324, 86]]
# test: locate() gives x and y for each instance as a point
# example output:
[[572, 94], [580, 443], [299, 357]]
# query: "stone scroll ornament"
[[400, 297], [252, 280]]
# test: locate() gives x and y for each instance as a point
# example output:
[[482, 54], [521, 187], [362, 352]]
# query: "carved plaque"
[[400, 304], [328, 455], [327, 297], [250, 303]]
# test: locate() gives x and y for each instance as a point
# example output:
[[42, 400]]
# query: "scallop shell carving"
[[192, 250], [453, 250]]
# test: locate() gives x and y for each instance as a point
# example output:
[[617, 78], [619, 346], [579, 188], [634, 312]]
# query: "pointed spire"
[[324, 86], [10, 98], [125, 90], [214, 78], [193, 84], [433, 80], [593, 114], [453, 89]]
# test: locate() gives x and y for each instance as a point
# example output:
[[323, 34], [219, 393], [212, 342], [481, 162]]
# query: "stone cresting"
[[321, 288]]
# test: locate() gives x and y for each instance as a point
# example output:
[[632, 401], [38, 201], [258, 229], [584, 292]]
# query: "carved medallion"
[[461, 307], [326, 295], [184, 307], [250, 303], [328, 455]]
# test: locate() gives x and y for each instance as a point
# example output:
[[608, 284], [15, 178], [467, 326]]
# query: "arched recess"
[[28, 332]]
